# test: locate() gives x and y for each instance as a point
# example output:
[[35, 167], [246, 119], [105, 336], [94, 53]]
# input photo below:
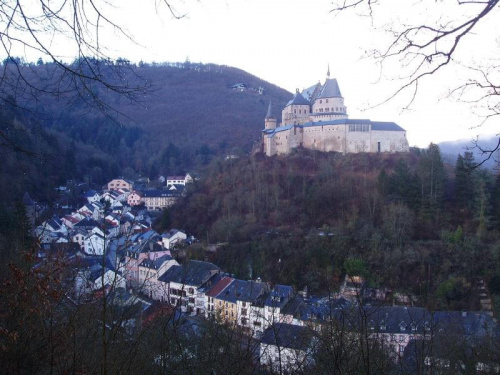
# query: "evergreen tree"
[[464, 181], [496, 202], [402, 185], [432, 179], [482, 205]]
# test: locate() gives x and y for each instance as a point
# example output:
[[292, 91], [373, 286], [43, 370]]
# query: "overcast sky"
[[290, 43]]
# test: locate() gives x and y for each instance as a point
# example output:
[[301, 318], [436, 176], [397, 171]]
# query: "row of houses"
[[272, 313]]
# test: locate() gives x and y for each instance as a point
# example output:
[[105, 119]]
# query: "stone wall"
[[336, 138]]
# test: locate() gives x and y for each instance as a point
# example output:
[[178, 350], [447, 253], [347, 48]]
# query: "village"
[[111, 248]]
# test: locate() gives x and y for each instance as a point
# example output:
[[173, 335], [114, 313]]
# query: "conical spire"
[[328, 71], [270, 111]]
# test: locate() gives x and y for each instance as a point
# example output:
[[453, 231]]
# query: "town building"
[[160, 199], [120, 183]]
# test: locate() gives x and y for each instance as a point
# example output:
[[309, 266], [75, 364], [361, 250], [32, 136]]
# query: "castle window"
[[326, 100], [321, 101]]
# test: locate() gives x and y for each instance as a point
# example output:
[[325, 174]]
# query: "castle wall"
[[324, 138], [390, 141], [282, 142], [358, 141], [296, 135], [336, 138], [294, 113]]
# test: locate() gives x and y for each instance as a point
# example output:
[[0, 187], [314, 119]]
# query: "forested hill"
[[415, 222], [181, 116]]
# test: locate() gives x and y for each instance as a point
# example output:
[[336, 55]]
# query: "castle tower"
[[270, 121], [328, 103]]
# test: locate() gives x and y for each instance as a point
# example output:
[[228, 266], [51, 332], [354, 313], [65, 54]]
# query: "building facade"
[[317, 119]]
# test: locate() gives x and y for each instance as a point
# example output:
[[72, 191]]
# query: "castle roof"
[[330, 89], [312, 92], [298, 99], [270, 111]]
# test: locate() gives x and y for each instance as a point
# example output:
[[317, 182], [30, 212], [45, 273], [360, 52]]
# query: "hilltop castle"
[[316, 119]]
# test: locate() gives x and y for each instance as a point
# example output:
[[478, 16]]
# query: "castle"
[[316, 119]]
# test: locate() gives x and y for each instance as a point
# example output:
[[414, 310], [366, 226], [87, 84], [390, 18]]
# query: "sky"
[[290, 43]]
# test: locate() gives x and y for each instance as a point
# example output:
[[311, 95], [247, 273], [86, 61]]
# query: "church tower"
[[270, 121]]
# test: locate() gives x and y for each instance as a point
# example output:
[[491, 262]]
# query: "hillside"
[[181, 115], [298, 219]]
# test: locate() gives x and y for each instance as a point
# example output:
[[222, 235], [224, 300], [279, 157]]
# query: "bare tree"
[[423, 50]]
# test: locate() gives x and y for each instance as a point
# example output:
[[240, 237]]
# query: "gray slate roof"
[[330, 89], [288, 336], [270, 111], [195, 273], [241, 290], [298, 99]]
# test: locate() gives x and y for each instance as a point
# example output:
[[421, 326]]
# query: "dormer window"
[[413, 327]]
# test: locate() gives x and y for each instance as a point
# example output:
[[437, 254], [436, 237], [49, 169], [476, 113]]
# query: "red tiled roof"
[[220, 286]]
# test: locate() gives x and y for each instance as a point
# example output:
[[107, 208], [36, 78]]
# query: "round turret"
[[270, 121]]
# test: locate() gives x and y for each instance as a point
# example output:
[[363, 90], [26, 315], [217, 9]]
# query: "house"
[[126, 222], [135, 198], [179, 180], [277, 299], [60, 251], [247, 297], [160, 199], [70, 220], [92, 196], [183, 282], [352, 288], [149, 272], [287, 348], [172, 237], [51, 230], [78, 236], [110, 196], [120, 183], [211, 294], [140, 246], [87, 224], [394, 326], [239, 87], [113, 219], [95, 243], [94, 210], [95, 277]]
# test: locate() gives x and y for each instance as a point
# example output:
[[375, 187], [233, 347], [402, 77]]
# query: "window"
[[326, 101]]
